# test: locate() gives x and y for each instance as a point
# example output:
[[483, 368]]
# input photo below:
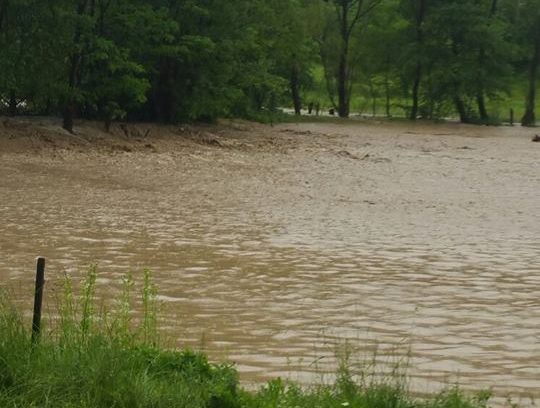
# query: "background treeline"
[[178, 60]]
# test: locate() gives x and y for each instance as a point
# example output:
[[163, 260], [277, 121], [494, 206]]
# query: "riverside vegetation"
[[169, 61], [93, 357]]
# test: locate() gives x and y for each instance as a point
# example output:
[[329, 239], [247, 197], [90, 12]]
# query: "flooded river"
[[270, 246]]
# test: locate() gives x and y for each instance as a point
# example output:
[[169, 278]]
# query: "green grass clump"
[[278, 394], [89, 357], [96, 359]]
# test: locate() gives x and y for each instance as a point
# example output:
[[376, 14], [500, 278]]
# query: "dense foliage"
[[181, 60]]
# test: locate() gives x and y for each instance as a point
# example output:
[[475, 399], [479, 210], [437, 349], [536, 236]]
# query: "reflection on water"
[[417, 245]]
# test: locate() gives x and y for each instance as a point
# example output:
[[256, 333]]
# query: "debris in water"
[[345, 153]]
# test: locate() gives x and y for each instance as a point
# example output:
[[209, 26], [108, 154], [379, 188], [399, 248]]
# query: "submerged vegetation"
[[92, 357]]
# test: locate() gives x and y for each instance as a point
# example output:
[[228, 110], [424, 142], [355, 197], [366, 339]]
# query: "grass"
[[498, 106], [90, 357]]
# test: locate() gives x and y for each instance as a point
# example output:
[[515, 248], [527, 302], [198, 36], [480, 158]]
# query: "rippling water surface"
[[413, 241]]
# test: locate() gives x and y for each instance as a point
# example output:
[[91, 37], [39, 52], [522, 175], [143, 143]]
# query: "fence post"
[[38, 298]]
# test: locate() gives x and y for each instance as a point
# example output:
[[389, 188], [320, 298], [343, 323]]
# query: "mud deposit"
[[271, 245]]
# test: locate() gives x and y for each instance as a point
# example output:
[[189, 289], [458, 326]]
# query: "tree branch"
[[361, 13]]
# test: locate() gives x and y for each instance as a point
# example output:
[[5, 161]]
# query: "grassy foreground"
[[95, 358]]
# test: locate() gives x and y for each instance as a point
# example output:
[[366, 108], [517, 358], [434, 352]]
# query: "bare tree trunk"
[[415, 92], [462, 110], [74, 79], [481, 102], [343, 70], [387, 95], [294, 84], [343, 79], [419, 17], [68, 113], [328, 76], [529, 118], [373, 98], [480, 94], [349, 13]]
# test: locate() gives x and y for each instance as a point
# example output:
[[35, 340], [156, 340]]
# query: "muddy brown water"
[[419, 241]]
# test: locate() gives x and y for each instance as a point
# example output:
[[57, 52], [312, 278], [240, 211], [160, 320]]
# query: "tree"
[[415, 11], [480, 95], [115, 84], [100, 76], [28, 56], [378, 56], [348, 15], [531, 29], [293, 49], [468, 56], [183, 60]]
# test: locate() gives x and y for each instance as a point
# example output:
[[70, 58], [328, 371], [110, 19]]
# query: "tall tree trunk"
[[343, 79], [387, 95], [415, 92], [481, 102], [420, 14], [70, 106], [462, 110], [529, 118], [74, 79], [328, 75], [373, 98], [294, 84], [349, 13], [68, 113], [343, 69], [480, 94]]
